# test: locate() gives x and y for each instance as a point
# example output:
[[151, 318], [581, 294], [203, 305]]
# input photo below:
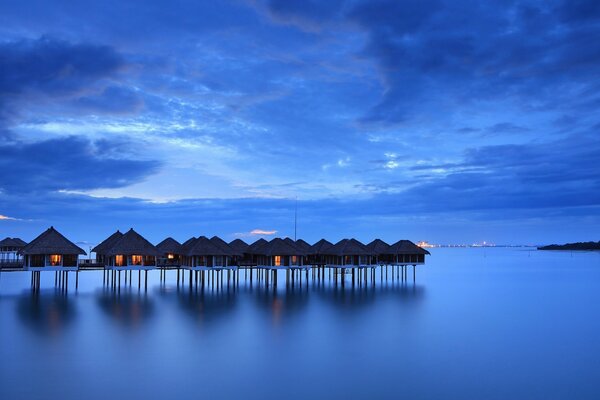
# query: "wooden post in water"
[[76, 280]]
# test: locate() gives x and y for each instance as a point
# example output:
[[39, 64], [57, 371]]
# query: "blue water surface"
[[479, 323]]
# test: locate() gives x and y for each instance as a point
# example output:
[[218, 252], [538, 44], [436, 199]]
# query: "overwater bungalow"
[[171, 252], [279, 253], [236, 256], [131, 252], [106, 244], [350, 253], [204, 254], [51, 251], [381, 253], [320, 253], [9, 252], [407, 253]]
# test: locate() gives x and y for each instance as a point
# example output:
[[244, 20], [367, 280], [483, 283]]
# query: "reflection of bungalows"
[[9, 252], [349, 253], [101, 249], [171, 252], [279, 253], [406, 252], [131, 252], [320, 254], [51, 251], [204, 254]]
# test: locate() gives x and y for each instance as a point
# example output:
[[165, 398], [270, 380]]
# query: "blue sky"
[[446, 121]]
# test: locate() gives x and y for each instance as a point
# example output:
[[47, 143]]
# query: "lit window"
[[294, 259], [136, 260], [55, 260], [119, 261], [277, 261], [170, 256]]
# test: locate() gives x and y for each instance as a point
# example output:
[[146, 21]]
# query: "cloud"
[[112, 100], [53, 66], [70, 163], [262, 232], [7, 218]]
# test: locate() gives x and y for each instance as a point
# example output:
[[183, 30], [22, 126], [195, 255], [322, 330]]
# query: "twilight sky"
[[448, 121]]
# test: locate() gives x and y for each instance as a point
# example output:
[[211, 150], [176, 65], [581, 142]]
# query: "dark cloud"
[[53, 66], [66, 164], [476, 51]]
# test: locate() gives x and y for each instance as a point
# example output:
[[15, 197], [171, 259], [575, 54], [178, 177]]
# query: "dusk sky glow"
[[446, 121]]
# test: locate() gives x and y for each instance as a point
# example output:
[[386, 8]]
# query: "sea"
[[472, 323]]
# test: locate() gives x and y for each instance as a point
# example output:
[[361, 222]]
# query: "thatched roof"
[[304, 246], [349, 247], [407, 247], [225, 246], [187, 245], [204, 247], [169, 246], [279, 247], [256, 245], [107, 243], [239, 246], [51, 242], [132, 243], [12, 242], [378, 247], [322, 247]]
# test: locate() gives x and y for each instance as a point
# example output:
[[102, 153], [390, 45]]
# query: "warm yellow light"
[[294, 259], [136, 260], [277, 261], [119, 261], [170, 256], [55, 260]]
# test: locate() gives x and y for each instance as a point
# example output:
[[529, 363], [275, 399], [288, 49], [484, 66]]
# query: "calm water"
[[478, 324]]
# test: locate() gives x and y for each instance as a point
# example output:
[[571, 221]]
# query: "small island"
[[572, 246]]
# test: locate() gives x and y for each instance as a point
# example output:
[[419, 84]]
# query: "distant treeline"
[[573, 246]]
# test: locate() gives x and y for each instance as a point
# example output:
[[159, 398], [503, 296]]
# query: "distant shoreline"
[[583, 246]]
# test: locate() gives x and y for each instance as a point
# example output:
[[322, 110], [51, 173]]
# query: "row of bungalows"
[[132, 251]]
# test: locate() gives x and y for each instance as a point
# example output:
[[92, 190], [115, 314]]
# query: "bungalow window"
[[149, 260], [119, 261], [70, 260], [36, 260], [347, 260], [136, 260], [170, 256], [277, 261], [294, 260], [55, 260]]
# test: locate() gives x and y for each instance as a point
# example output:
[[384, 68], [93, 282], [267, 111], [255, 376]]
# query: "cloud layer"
[[433, 116]]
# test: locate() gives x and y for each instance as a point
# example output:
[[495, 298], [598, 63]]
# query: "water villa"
[[104, 246], [9, 252], [131, 252], [279, 253], [51, 251], [206, 254], [171, 252]]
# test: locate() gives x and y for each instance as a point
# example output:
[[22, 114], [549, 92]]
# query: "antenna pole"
[[296, 219]]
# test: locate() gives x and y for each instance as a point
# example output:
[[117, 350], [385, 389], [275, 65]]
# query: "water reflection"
[[128, 307], [46, 312], [205, 305]]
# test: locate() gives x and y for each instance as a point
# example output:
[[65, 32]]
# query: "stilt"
[[76, 280], [146, 281]]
